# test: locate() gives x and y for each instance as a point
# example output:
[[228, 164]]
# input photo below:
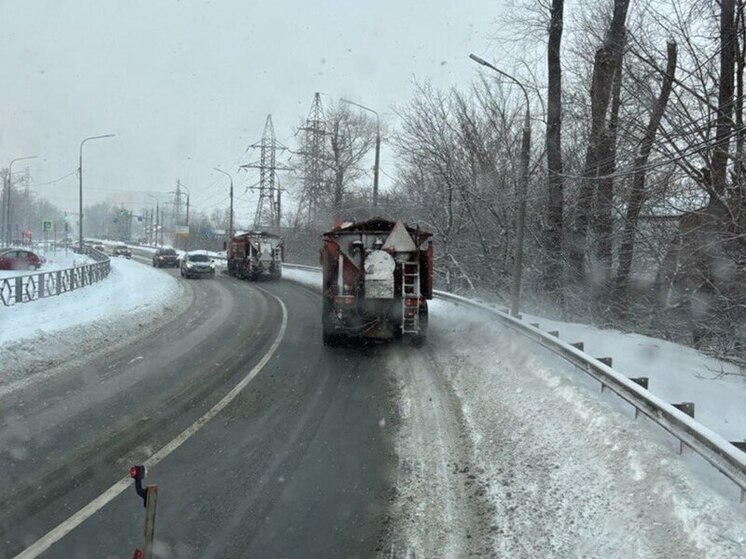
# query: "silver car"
[[197, 264]]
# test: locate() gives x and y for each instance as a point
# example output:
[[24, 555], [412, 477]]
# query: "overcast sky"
[[186, 85]]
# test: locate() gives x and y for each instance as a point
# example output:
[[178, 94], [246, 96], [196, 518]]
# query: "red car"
[[19, 259], [165, 257]]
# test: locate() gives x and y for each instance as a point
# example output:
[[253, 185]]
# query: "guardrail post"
[[19, 289], [578, 345], [534, 324], [688, 409], [606, 361], [554, 333], [644, 382], [41, 285]]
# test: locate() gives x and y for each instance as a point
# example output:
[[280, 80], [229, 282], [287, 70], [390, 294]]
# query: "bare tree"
[[555, 219], [607, 59], [351, 136], [637, 194]]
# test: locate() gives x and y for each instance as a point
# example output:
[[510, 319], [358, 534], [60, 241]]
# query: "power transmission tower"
[[314, 133], [268, 208]]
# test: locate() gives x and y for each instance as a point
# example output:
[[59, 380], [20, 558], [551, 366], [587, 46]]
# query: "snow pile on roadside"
[[493, 431], [306, 277], [677, 373], [36, 336]]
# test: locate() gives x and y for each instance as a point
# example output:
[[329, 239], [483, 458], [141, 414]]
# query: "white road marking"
[[56, 534]]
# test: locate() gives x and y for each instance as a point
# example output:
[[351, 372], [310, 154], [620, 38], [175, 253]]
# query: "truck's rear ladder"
[[410, 300]]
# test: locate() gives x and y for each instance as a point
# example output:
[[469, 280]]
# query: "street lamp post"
[[230, 219], [515, 288], [376, 165], [154, 238], [189, 234], [80, 193], [8, 216]]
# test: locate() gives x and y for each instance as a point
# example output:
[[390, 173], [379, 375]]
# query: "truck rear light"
[[344, 300], [411, 301]]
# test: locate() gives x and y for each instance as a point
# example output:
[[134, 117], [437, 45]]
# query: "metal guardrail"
[[38, 285], [714, 449]]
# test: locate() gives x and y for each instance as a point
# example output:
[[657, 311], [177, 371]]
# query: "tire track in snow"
[[440, 507]]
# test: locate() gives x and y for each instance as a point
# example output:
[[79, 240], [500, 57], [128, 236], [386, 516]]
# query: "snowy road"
[[299, 464], [473, 445]]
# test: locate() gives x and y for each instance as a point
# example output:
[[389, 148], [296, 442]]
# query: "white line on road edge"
[[56, 534]]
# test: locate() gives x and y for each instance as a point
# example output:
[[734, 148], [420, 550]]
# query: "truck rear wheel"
[[329, 336]]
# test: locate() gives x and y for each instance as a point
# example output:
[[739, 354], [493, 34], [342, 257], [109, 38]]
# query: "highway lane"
[[300, 464]]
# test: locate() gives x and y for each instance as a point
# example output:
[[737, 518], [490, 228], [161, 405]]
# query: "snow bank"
[[58, 261], [568, 472], [36, 336], [677, 373]]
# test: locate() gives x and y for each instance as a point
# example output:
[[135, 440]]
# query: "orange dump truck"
[[255, 254], [377, 279]]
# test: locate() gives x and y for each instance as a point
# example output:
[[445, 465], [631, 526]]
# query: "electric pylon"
[[269, 206], [314, 133]]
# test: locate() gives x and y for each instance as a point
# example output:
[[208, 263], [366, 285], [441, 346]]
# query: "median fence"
[[729, 458], [37, 285]]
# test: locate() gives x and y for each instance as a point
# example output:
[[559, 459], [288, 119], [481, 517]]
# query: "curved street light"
[[157, 217], [8, 215], [378, 147], [80, 193], [230, 219], [515, 288]]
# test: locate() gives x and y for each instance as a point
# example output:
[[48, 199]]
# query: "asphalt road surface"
[[299, 464]]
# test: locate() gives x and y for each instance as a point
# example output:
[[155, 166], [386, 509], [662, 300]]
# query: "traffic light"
[[64, 217]]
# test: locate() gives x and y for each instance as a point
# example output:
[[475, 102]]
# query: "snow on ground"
[[558, 469], [54, 261], [677, 373], [36, 336], [508, 451]]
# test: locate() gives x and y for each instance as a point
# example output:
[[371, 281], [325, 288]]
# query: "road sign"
[[181, 230], [47, 225]]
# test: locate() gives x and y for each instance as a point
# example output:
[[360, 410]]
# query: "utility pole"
[[8, 214], [377, 162], [515, 288], [157, 221], [177, 205], [230, 218], [80, 177]]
